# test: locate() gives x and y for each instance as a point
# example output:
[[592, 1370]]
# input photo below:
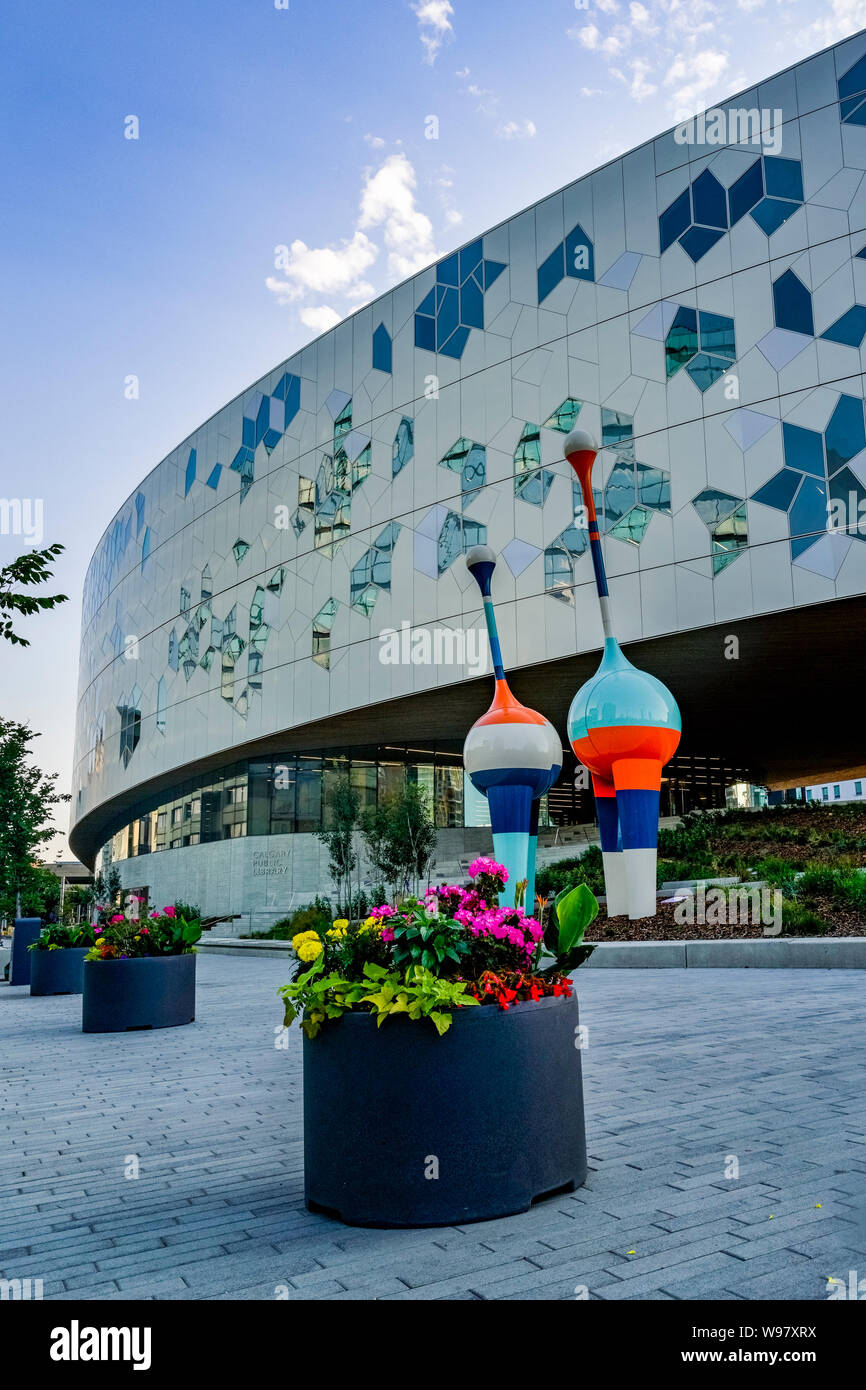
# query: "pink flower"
[[145, 931], [387, 934], [118, 917], [97, 931], [169, 911]]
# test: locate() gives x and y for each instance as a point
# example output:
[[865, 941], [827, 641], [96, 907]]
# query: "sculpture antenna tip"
[[579, 442], [480, 555]]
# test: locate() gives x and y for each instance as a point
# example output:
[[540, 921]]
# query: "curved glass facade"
[[699, 308]]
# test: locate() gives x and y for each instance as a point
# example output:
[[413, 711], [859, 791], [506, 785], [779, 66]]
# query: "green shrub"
[[798, 920], [568, 873]]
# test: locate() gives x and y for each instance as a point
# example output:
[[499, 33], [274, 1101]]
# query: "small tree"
[[33, 567], [27, 800], [400, 837], [343, 803]]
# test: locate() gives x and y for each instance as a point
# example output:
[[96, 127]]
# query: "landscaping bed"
[[814, 854]]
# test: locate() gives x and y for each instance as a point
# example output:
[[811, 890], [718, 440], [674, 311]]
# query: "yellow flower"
[[371, 924], [341, 923], [304, 936], [309, 950]]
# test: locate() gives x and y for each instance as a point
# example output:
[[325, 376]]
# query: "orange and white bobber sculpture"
[[623, 725]]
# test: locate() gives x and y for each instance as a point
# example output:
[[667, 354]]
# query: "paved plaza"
[[690, 1075]]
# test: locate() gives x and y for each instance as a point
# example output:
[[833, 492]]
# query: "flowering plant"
[[165, 933], [455, 935], [58, 935]]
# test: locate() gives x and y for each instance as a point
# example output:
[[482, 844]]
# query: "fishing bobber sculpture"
[[512, 755], [623, 725]]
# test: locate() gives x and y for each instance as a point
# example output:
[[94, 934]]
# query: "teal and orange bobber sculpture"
[[512, 755], [623, 725]]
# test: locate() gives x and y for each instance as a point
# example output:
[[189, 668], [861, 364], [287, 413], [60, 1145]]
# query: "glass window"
[[825, 793], [792, 304], [837, 792], [858, 788], [309, 813]]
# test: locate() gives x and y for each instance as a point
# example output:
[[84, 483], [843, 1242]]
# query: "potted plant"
[[57, 959], [442, 1068], [141, 974]]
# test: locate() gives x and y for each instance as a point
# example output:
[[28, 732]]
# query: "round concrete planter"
[[57, 972], [150, 992], [404, 1128]]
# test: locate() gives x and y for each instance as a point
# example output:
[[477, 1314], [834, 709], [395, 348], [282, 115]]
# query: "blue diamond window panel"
[[190, 472], [816, 473], [770, 190], [265, 421], [403, 450], [129, 710], [559, 557], [703, 343], [845, 435], [458, 534], [188, 651], [573, 257], [373, 571], [322, 624], [632, 527], [697, 219], [565, 415], [455, 305], [172, 650], [532, 483], [804, 449], [850, 329], [681, 342], [792, 304], [240, 549], [725, 518], [382, 354], [469, 460], [145, 548], [617, 431], [852, 94], [213, 480]]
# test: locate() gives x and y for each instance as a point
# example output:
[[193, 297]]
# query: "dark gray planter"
[[150, 992], [494, 1108], [26, 930], [57, 972]]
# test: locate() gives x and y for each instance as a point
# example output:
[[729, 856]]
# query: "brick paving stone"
[[683, 1069]]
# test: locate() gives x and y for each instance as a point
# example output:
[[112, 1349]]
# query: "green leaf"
[[441, 1021], [575, 909]]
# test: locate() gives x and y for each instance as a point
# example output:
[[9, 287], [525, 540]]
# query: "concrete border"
[[745, 953]]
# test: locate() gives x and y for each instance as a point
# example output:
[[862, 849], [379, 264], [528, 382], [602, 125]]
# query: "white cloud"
[[374, 141], [699, 75], [845, 17], [589, 36], [325, 269], [434, 25], [640, 89], [388, 201], [516, 130], [641, 18], [320, 319], [453, 217]]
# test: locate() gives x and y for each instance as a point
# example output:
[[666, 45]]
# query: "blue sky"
[[262, 127]]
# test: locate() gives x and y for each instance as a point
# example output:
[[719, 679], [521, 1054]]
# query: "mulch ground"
[[663, 927]]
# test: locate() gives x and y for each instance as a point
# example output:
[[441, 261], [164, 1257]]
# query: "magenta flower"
[[169, 911]]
